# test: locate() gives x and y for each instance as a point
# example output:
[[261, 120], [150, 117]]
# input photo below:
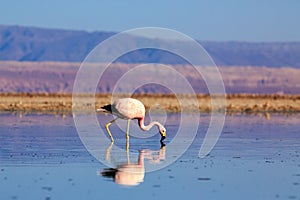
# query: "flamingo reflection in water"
[[132, 174]]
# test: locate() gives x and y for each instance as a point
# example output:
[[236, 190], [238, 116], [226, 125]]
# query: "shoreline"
[[235, 103]]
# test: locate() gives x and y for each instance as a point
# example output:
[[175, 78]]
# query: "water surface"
[[42, 157]]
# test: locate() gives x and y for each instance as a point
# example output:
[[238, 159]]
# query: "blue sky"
[[228, 20]]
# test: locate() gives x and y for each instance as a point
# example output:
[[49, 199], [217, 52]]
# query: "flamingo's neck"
[[149, 126]]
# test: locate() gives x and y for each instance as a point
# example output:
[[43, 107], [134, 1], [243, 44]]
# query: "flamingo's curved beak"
[[162, 138]]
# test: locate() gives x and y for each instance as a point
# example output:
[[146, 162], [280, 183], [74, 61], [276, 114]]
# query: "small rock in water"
[[297, 175], [236, 157], [47, 188], [14, 197], [203, 179]]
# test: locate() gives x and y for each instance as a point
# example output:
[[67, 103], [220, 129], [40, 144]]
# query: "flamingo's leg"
[[127, 130], [127, 135], [107, 155], [107, 129], [127, 152]]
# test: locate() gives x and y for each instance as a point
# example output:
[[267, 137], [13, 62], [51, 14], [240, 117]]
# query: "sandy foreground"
[[237, 103]]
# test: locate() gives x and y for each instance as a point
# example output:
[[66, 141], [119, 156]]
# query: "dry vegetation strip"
[[235, 103]]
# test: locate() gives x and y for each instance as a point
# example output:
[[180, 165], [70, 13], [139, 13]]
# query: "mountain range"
[[41, 44]]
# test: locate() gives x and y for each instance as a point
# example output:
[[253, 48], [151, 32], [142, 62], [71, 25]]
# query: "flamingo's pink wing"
[[129, 108]]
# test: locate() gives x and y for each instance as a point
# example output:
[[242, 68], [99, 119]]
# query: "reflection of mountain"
[[59, 77], [39, 44]]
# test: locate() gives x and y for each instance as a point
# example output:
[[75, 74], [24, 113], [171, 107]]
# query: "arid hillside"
[[58, 77]]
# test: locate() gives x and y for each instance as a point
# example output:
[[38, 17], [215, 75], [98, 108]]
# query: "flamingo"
[[129, 108]]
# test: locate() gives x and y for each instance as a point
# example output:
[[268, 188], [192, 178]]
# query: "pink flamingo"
[[129, 108]]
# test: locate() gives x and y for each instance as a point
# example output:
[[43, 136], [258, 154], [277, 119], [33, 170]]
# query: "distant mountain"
[[40, 44]]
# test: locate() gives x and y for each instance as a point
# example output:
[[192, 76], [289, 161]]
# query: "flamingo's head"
[[163, 133]]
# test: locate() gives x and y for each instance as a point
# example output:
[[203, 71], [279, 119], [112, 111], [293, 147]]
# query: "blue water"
[[42, 157]]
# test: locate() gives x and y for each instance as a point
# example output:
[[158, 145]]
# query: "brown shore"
[[235, 103]]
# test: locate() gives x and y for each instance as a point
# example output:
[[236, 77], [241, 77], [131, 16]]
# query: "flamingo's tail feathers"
[[106, 109]]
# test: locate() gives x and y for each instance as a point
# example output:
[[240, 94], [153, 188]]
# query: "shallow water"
[[42, 157]]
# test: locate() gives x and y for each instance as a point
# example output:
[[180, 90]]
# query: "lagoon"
[[256, 157]]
